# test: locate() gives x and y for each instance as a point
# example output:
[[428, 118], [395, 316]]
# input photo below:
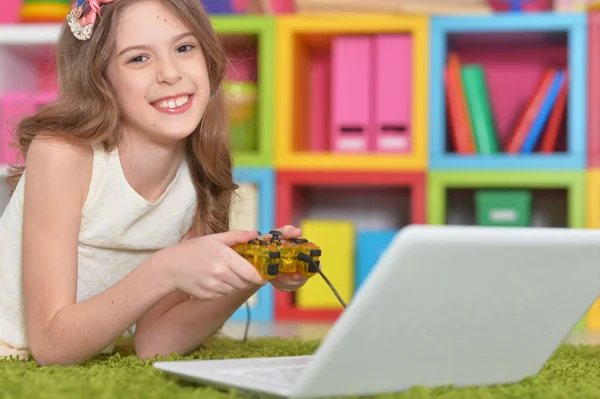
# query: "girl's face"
[[159, 73]]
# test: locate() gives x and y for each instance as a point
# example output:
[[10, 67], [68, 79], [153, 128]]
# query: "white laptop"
[[444, 305]]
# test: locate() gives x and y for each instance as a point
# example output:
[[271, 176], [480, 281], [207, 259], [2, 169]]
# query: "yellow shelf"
[[592, 317], [296, 35], [593, 198]]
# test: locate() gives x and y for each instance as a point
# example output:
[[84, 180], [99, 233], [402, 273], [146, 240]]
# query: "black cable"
[[247, 328], [247, 321], [332, 288]]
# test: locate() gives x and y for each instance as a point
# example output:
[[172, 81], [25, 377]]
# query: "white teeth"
[[178, 102]]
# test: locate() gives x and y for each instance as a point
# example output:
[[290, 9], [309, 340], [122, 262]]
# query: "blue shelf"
[[264, 178], [575, 26], [562, 161]]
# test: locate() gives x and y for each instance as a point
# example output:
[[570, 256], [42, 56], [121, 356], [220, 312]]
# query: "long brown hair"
[[87, 111]]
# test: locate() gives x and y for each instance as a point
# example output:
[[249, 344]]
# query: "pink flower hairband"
[[83, 16]]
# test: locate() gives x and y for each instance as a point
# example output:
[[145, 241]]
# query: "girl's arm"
[[60, 331], [178, 323]]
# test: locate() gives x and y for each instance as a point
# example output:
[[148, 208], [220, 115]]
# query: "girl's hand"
[[288, 282], [208, 268]]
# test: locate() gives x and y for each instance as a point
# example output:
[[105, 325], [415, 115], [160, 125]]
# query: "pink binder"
[[13, 107], [9, 11], [320, 68], [283, 6], [351, 89], [393, 92]]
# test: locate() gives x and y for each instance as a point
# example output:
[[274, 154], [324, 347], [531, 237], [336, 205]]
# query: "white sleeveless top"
[[119, 230]]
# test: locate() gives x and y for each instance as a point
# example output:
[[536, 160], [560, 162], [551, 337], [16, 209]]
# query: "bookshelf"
[[559, 196], [302, 41], [262, 180], [345, 196], [514, 50], [366, 196], [252, 39]]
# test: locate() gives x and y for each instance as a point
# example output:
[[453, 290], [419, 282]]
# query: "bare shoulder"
[[61, 163], [58, 174]]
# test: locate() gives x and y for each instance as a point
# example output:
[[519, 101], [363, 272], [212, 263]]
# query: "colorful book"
[[542, 117], [517, 137], [556, 118], [480, 111], [460, 128]]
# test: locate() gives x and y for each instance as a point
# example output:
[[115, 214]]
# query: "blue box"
[[370, 244]]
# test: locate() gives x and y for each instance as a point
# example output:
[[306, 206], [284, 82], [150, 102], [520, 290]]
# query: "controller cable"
[[314, 266]]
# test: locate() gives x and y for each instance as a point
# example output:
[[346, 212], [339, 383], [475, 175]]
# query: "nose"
[[168, 71]]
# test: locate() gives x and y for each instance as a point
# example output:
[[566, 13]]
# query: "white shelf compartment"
[[29, 34], [23, 48]]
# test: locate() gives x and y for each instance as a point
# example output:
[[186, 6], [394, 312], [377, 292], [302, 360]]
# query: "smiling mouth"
[[172, 103]]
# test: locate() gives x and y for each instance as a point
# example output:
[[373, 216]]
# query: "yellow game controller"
[[274, 255]]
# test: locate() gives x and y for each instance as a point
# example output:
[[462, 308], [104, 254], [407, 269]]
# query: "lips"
[[177, 104], [172, 102]]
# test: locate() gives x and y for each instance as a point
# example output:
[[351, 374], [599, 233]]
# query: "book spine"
[[542, 117], [479, 109]]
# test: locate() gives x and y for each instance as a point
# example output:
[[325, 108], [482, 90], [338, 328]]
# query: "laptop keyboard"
[[281, 376]]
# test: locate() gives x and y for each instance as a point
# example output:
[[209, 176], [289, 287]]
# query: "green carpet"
[[572, 372]]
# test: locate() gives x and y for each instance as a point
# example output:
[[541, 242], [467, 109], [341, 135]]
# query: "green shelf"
[[263, 29], [573, 182]]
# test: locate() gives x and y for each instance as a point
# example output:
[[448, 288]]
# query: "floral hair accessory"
[[83, 16]]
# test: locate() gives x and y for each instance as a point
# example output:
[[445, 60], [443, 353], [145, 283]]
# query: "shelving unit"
[[303, 39], [263, 179], [559, 197], [333, 195], [245, 36], [368, 196], [26, 50], [514, 49]]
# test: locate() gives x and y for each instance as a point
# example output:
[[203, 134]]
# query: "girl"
[[121, 217]]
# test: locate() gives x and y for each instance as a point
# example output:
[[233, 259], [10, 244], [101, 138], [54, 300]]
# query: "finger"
[[291, 279], [234, 280], [288, 287], [244, 269], [233, 237], [224, 267], [288, 231]]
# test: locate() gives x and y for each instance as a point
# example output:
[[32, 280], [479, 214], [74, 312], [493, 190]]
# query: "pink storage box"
[[10, 11], [351, 93], [393, 93], [13, 107]]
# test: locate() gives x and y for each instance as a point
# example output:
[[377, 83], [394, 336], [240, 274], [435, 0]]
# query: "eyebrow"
[[146, 47]]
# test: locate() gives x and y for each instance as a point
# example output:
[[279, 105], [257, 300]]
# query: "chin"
[[174, 133]]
